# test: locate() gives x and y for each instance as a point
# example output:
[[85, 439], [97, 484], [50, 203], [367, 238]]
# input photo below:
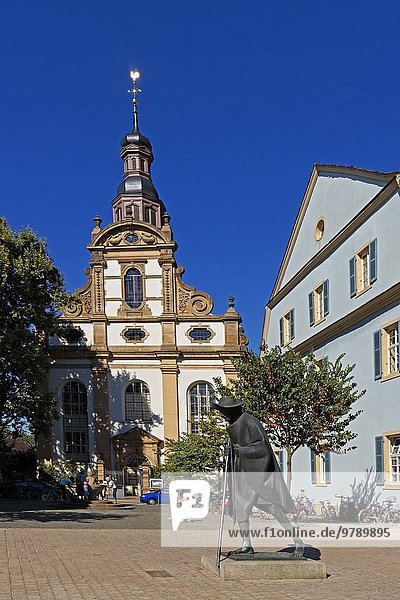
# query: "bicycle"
[[260, 514], [346, 510], [56, 494], [304, 508], [25, 493], [327, 510], [391, 515], [380, 512]]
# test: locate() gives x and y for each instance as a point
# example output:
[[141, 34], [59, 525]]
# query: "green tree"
[[31, 290], [301, 401], [198, 452]]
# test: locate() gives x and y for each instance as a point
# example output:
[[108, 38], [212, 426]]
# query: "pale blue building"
[[338, 291]]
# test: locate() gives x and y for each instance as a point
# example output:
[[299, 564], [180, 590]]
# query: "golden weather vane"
[[134, 75]]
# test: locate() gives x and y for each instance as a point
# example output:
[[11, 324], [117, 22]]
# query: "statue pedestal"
[[265, 565]]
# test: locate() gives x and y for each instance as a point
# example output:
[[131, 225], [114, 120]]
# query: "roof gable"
[[335, 194]]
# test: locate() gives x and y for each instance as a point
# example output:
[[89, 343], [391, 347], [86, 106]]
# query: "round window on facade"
[[132, 238], [200, 334], [134, 335], [319, 230]]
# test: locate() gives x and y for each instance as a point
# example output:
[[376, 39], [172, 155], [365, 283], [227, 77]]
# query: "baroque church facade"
[[136, 363]]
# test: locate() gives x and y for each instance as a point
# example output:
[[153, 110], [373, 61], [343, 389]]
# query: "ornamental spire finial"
[[134, 75]]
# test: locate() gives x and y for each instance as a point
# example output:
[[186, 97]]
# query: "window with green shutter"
[[379, 460], [377, 354], [318, 303], [311, 307], [286, 328], [321, 470], [313, 467], [364, 268]]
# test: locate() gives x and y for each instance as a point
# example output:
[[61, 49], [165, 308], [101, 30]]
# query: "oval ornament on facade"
[[200, 334], [134, 334]]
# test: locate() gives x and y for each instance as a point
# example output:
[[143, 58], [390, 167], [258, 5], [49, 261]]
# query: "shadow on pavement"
[[27, 513], [53, 516]]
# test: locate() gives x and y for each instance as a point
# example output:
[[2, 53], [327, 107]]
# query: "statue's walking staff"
[[221, 522]]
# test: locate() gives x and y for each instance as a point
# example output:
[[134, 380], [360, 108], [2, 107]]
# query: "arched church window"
[[142, 164], [137, 402], [200, 398], [74, 401], [133, 288]]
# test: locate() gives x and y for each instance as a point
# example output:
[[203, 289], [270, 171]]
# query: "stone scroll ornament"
[[84, 305], [72, 310], [190, 300]]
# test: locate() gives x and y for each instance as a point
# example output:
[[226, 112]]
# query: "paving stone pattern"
[[39, 563]]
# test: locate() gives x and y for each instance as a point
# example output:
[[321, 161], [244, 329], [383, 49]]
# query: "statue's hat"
[[227, 402]]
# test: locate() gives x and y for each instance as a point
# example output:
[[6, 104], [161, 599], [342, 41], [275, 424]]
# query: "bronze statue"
[[257, 479]]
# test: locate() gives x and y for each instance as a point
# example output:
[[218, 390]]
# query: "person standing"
[[103, 490], [112, 486], [86, 491]]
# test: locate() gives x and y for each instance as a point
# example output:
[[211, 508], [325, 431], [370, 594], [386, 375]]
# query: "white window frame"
[[387, 348], [391, 459], [318, 295]]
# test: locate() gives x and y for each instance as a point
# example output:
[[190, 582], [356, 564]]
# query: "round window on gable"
[[319, 230], [200, 334], [134, 334], [132, 238]]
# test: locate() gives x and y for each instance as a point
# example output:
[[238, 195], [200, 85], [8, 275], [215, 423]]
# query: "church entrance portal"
[[138, 471]]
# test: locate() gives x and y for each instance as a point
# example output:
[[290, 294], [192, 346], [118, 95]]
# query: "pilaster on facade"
[[229, 370], [170, 371], [101, 407], [169, 335], [98, 265], [167, 263]]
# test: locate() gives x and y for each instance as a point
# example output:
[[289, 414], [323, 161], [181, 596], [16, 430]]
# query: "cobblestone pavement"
[[96, 562]]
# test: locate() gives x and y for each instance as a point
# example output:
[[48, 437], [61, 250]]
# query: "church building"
[[136, 363]]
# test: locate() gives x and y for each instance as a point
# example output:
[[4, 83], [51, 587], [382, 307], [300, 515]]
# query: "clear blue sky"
[[240, 99]]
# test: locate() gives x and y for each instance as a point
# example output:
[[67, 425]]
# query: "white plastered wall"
[[115, 338], [113, 268], [155, 307], [154, 288], [152, 267], [183, 340], [113, 288]]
